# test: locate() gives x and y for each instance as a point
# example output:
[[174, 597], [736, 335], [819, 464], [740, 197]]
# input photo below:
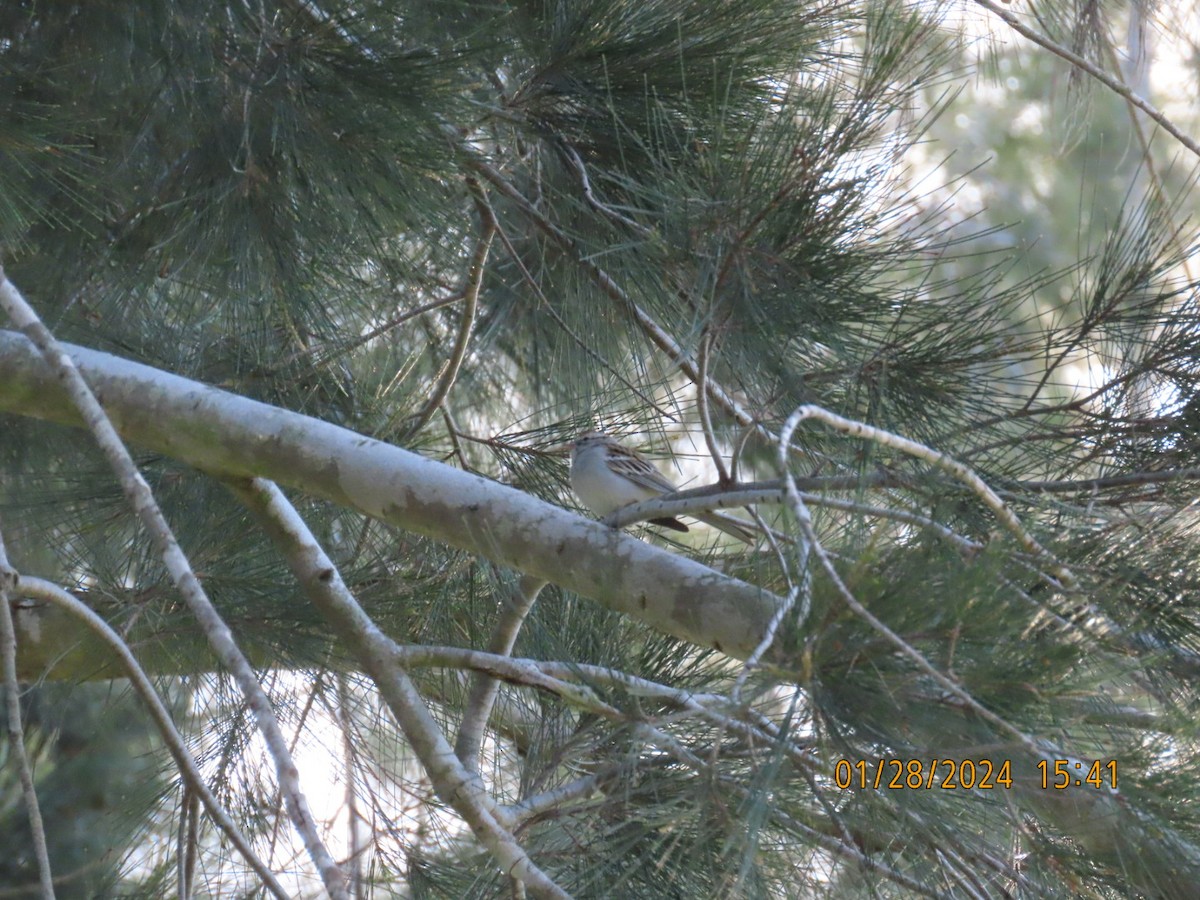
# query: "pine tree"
[[348, 277]]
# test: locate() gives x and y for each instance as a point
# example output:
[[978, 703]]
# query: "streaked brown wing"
[[643, 473]]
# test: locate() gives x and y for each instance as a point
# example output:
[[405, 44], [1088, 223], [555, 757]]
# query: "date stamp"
[[920, 774], [968, 774]]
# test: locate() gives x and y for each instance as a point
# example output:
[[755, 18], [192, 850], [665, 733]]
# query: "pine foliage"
[[287, 200]]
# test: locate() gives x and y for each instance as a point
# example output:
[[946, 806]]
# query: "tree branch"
[[1114, 84], [951, 466], [323, 585], [710, 439], [800, 511], [513, 610], [710, 497], [38, 589], [224, 434], [137, 492], [467, 322], [16, 731]]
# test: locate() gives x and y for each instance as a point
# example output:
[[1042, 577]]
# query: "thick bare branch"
[[233, 436]]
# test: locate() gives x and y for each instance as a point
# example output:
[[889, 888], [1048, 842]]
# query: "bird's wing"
[[639, 471]]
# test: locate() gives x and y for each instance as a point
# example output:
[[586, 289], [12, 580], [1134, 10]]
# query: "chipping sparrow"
[[607, 476]]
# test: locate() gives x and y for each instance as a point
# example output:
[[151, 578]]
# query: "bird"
[[606, 475]]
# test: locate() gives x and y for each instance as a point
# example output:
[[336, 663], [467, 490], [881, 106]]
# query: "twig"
[[48, 592], [182, 828], [604, 209], [553, 800], [947, 464], [346, 724], [711, 497], [801, 591], [137, 491], [702, 405], [763, 491], [394, 322], [562, 679], [16, 731], [1113, 84], [966, 878], [187, 840], [248, 167], [738, 446], [1093, 485], [452, 782], [529, 280], [657, 334], [467, 322], [193, 843], [454, 432], [804, 519], [768, 638], [513, 611]]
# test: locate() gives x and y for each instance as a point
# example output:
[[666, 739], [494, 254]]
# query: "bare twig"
[[711, 497], [138, 493], [549, 309], [467, 322], [16, 731], [551, 801], [1094, 485], [38, 589], [604, 209], [804, 519], [453, 430], [392, 323], [353, 816], [797, 589], [768, 638], [947, 464], [513, 611], [572, 682], [747, 431], [702, 405], [187, 840], [1114, 84], [768, 491]]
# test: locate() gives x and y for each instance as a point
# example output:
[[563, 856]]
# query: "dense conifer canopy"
[[473, 230]]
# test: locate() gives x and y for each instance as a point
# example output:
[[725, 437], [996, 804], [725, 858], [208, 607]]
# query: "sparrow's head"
[[586, 440], [590, 437]]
